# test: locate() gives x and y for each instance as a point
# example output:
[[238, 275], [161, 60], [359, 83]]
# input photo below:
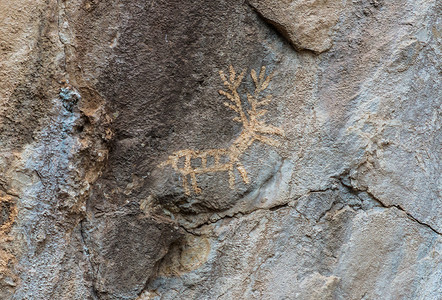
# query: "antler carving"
[[232, 85], [253, 130]]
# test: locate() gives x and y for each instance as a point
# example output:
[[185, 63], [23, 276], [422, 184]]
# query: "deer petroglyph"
[[253, 129]]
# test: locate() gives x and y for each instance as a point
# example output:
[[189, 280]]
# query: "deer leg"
[[186, 185], [231, 177], [204, 161], [243, 172], [196, 189]]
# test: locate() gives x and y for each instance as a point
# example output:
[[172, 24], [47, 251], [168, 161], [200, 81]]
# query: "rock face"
[[220, 149], [306, 24]]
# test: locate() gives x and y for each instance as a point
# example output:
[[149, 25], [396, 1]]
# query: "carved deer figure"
[[253, 130]]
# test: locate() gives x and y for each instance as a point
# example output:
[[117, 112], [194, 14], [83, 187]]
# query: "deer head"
[[251, 121]]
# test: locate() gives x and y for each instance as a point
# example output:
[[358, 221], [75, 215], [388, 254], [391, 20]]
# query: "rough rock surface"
[[145, 153], [306, 24]]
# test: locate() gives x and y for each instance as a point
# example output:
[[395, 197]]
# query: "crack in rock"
[[352, 188]]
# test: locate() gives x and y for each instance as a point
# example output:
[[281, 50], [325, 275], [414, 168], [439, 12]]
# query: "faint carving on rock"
[[306, 24], [183, 161]]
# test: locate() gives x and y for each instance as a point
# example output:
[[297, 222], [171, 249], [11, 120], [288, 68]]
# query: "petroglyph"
[[253, 129]]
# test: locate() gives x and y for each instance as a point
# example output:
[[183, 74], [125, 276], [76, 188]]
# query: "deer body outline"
[[253, 130]]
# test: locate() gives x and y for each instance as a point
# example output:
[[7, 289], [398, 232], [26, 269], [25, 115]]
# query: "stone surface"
[[145, 153], [340, 252], [307, 25]]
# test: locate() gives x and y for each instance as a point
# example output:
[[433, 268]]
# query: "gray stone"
[[316, 177]]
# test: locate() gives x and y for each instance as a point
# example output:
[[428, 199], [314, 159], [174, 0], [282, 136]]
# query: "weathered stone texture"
[[307, 25], [335, 250], [332, 192]]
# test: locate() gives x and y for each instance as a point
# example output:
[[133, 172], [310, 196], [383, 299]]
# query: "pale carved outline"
[[253, 129]]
